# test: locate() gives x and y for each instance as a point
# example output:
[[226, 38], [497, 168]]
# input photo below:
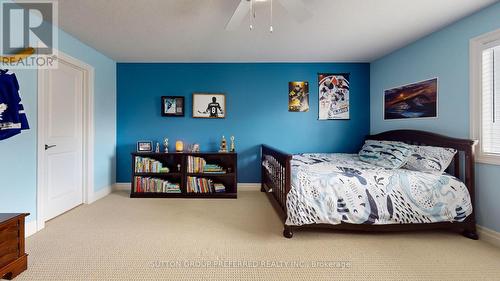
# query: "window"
[[490, 95], [485, 96]]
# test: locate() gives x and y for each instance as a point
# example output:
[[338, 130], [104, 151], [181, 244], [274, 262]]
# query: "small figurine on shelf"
[[178, 167], [233, 148], [196, 148], [157, 149], [165, 144], [223, 145]]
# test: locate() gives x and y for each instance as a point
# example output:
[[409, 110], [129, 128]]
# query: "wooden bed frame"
[[277, 182]]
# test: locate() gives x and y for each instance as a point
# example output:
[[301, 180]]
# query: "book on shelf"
[[218, 187], [148, 165], [199, 165], [147, 184], [203, 185]]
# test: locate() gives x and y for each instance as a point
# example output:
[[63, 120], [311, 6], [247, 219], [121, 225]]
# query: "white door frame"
[[88, 136]]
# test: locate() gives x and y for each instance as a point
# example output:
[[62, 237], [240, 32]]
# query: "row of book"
[[203, 185], [213, 169], [148, 165], [146, 184], [199, 165]]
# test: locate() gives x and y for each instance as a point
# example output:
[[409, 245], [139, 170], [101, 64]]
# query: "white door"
[[63, 137]]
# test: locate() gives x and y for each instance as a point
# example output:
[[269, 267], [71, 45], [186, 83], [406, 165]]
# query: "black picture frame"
[[178, 102], [144, 146]]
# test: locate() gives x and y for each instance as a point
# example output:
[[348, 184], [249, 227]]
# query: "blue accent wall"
[[256, 107], [443, 54]]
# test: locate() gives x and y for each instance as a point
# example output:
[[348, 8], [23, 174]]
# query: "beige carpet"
[[118, 238]]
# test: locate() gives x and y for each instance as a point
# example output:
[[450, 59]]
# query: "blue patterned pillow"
[[429, 158], [387, 154]]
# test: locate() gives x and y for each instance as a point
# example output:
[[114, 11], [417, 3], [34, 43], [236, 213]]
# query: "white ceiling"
[[194, 30]]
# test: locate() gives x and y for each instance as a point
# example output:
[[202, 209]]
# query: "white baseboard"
[[249, 186], [122, 186], [125, 186], [30, 228], [100, 194], [488, 235]]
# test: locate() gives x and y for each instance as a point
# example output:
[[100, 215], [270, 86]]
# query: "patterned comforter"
[[335, 188]]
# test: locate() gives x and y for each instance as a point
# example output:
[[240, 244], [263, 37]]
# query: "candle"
[[179, 146]]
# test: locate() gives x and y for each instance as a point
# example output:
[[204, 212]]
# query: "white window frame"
[[476, 47]]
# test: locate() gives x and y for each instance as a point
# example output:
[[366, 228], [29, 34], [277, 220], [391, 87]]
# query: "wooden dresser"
[[13, 259]]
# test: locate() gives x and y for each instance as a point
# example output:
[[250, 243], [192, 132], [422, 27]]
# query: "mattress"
[[336, 188]]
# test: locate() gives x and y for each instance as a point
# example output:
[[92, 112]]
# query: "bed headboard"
[[463, 159]]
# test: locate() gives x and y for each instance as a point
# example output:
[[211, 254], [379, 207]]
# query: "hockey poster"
[[298, 96], [209, 105], [333, 96]]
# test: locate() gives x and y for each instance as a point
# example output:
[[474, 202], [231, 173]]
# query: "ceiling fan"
[[296, 8]]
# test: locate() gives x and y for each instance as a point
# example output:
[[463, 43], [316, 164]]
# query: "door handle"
[[49, 146]]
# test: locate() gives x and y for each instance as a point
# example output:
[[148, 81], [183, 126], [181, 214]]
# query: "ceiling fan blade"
[[297, 9], [239, 15]]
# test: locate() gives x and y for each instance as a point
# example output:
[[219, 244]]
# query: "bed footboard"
[[276, 175]]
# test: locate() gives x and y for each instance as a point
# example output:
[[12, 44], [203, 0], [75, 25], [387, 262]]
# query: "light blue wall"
[[443, 54], [257, 109], [19, 154], [104, 107]]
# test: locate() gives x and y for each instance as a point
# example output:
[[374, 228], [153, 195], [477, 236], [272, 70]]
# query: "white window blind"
[[490, 100]]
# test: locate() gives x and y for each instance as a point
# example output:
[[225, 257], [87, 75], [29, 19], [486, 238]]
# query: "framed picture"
[[172, 106], [298, 96], [417, 100], [144, 146], [333, 96], [209, 105]]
